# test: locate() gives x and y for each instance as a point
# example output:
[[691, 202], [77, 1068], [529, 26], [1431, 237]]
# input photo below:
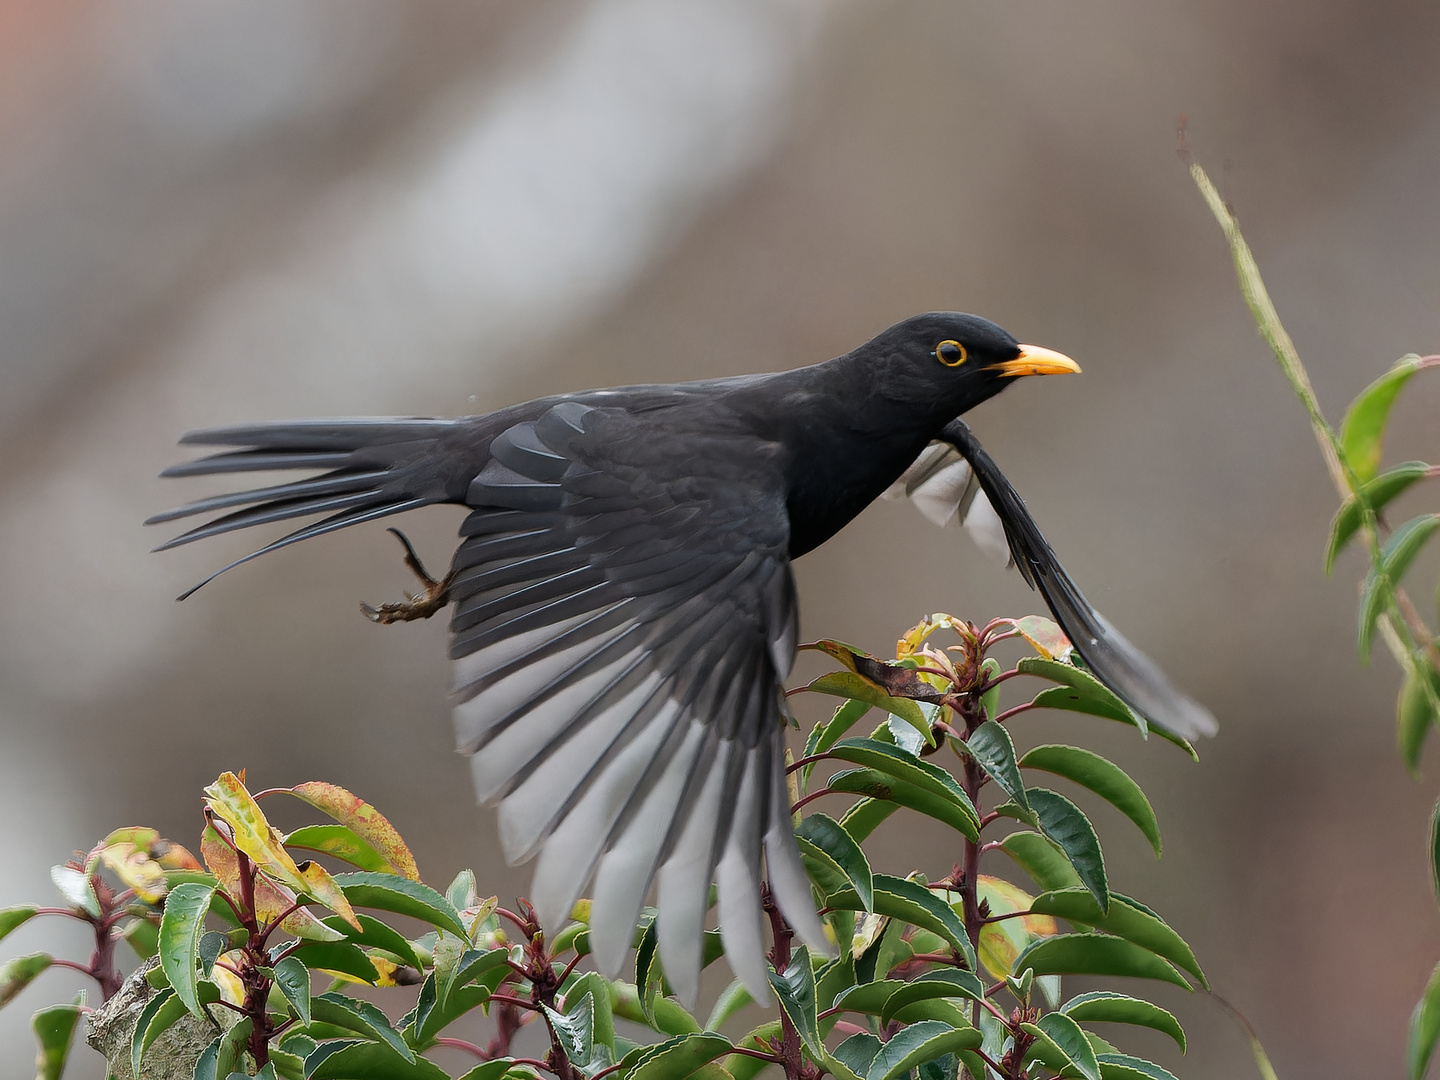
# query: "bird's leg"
[[421, 605]]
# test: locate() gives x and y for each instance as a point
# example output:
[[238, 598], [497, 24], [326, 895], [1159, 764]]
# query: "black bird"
[[624, 610]]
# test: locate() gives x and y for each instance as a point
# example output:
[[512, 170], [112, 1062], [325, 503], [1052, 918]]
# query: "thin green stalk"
[[1403, 640]]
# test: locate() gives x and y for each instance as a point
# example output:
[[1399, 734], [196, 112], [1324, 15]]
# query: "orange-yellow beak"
[[1033, 360]]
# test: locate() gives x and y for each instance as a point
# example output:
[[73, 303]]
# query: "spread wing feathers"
[[1122, 667], [369, 469], [619, 639], [945, 489]]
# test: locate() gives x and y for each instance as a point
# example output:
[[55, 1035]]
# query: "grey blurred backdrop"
[[220, 212]]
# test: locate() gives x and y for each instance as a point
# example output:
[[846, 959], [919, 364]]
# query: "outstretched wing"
[[622, 624], [957, 479]]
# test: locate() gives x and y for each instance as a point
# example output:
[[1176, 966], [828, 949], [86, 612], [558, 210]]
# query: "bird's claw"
[[421, 605]]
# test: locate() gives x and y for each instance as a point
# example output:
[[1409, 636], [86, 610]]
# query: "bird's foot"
[[421, 605]]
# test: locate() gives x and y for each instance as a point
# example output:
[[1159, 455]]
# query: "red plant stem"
[[519, 1003], [813, 796], [1002, 918], [461, 1044], [761, 1054], [63, 911], [506, 913], [802, 762], [847, 1028], [74, 966], [781, 934], [1008, 713], [569, 968], [275, 922]]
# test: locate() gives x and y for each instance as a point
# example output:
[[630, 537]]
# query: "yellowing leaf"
[[1002, 942], [136, 869], [384, 970], [320, 885], [270, 899], [911, 640], [362, 819], [231, 988], [255, 836], [1044, 637]]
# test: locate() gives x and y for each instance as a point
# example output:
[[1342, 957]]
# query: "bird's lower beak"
[[1033, 360]]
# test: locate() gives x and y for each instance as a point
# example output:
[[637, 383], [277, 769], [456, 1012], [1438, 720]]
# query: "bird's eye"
[[950, 353]]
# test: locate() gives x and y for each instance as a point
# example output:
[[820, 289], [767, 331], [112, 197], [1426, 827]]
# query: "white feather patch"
[[625, 870], [513, 748], [526, 811], [987, 530], [685, 886], [568, 857], [737, 875]]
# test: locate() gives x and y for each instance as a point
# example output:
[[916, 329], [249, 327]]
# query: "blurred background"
[[215, 212]]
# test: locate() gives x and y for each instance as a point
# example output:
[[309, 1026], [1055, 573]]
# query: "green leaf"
[[157, 1017], [731, 1000], [931, 985], [1434, 857], [360, 1017], [919, 1042], [677, 1058], [848, 684], [575, 1029], [893, 761], [462, 892], [180, 928], [828, 732], [858, 1053], [143, 937], [862, 818], [378, 935], [1395, 559], [1065, 1035], [593, 984], [796, 991], [1376, 494], [401, 896], [1106, 1006], [869, 997], [1085, 692], [211, 946], [371, 1060], [1424, 1028], [990, 745], [339, 956], [1124, 919], [293, 979], [915, 904], [1042, 859], [16, 974], [1104, 778], [823, 839], [1413, 712], [11, 917], [55, 1032], [340, 842], [1362, 432], [221, 1058], [1096, 954], [1065, 823], [1125, 1067]]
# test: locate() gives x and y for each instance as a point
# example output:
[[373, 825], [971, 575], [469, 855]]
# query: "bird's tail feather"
[[369, 469], [1132, 675]]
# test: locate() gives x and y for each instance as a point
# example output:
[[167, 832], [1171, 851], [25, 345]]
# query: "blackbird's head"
[[950, 361]]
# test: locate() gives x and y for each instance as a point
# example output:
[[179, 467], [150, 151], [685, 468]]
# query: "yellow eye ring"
[[950, 353]]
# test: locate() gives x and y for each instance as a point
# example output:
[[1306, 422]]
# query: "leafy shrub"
[[934, 975]]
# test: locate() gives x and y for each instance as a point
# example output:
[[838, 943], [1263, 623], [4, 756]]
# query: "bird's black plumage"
[[624, 611]]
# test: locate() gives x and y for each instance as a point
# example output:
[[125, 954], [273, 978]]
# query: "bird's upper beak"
[[1034, 360]]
